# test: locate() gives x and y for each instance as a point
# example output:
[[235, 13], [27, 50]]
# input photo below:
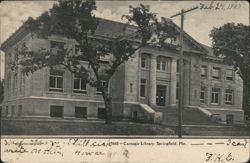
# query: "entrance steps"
[[190, 116], [144, 113]]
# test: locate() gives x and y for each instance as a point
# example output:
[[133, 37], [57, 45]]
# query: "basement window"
[[56, 111]]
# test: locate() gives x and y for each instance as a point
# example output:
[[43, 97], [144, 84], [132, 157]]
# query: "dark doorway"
[[101, 113], [80, 112], [161, 95]]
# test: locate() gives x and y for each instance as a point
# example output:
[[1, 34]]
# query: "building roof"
[[106, 28]]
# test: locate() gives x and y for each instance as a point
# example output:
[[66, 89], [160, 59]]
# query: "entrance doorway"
[[161, 95]]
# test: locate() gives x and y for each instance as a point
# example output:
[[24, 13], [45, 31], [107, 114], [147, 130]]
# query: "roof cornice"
[[16, 36]]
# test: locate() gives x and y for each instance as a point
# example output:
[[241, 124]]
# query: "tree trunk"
[[108, 106]]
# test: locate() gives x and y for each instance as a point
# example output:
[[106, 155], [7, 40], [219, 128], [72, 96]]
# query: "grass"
[[41, 127], [118, 128]]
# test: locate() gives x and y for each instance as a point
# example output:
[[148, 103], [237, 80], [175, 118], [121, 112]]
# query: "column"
[[173, 83], [152, 81]]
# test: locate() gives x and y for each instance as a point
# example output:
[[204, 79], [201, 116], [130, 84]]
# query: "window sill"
[[162, 71], [79, 94], [229, 80], [229, 104], [55, 92]]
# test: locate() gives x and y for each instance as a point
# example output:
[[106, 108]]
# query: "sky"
[[197, 23]]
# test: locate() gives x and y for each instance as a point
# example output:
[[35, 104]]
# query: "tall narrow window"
[[12, 110], [203, 71], [163, 66], [228, 96], [7, 111], [8, 82], [177, 65], [56, 80], [15, 82], [158, 64], [177, 90], [202, 95], [19, 113], [144, 62], [229, 75], [216, 73], [79, 85], [131, 87], [215, 96], [143, 87]]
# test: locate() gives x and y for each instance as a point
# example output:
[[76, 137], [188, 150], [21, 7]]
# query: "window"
[[7, 110], [177, 90], [8, 82], [158, 64], [203, 71], [215, 96], [19, 113], [177, 65], [80, 85], [56, 111], [12, 110], [80, 112], [229, 75], [202, 95], [21, 82], [15, 82], [143, 87], [56, 80], [57, 45], [228, 96], [216, 73], [131, 87], [144, 62], [98, 90], [101, 113], [162, 64]]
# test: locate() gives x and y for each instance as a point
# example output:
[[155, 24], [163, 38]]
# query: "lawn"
[[43, 127], [118, 128]]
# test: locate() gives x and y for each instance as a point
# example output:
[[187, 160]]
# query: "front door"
[[161, 95]]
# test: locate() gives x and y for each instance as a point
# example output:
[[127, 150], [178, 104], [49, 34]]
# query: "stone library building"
[[142, 88]]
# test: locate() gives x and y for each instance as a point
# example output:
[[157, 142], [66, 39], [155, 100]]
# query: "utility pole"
[[181, 67]]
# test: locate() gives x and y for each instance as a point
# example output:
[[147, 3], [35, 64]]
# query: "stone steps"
[[190, 116]]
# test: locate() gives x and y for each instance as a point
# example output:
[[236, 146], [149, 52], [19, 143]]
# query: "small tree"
[[231, 42], [75, 20]]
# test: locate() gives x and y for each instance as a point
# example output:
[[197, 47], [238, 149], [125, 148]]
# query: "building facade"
[[144, 86]]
